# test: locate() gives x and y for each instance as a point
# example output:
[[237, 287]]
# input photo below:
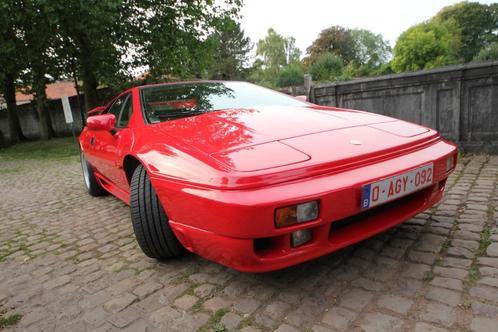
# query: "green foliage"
[[9, 170], [257, 74], [172, 42], [12, 62], [427, 45], [213, 324], [473, 277], [12, 46], [428, 276], [361, 51], [276, 51], [484, 241], [291, 75], [459, 33], [326, 67], [277, 61], [384, 69], [371, 50], [229, 51], [219, 327], [100, 41], [9, 320], [336, 40], [488, 53], [477, 24]]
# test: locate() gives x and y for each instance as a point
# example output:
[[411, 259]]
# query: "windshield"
[[173, 101]]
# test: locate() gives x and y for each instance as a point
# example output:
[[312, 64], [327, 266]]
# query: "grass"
[[465, 305], [484, 241], [214, 322], [9, 320], [57, 148], [9, 170], [428, 276], [473, 277], [446, 245]]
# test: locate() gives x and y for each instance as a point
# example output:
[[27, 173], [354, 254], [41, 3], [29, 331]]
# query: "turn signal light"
[[296, 214]]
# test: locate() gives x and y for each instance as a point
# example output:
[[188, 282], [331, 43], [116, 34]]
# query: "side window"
[[125, 113], [117, 106]]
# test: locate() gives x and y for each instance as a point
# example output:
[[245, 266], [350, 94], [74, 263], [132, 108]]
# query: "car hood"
[[231, 129], [261, 138]]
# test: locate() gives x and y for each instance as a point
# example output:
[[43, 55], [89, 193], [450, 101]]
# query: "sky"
[[304, 20]]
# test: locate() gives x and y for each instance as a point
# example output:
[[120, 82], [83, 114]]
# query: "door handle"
[[92, 140]]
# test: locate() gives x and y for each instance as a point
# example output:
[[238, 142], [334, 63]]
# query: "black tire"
[[150, 222], [92, 186]]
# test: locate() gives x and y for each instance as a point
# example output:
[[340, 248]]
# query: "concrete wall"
[[459, 101], [29, 118], [30, 124], [298, 90]]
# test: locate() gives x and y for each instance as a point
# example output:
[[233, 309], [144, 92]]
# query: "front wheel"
[[150, 223], [92, 185]]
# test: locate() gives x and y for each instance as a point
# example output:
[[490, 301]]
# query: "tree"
[[370, 49], [229, 50], [173, 35], [38, 37], [488, 53], [361, 51], [290, 75], [326, 67], [102, 40], [11, 63], [257, 74], [477, 24], [335, 40], [99, 41], [277, 51], [292, 52], [427, 45], [93, 39]]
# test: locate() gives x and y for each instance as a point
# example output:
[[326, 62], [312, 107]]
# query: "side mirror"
[[302, 97], [95, 111], [105, 122]]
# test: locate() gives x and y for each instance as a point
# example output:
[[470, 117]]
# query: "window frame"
[[126, 96]]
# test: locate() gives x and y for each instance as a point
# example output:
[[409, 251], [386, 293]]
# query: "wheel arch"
[[130, 163]]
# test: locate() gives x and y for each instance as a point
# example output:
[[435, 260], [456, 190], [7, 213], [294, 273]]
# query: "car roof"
[[185, 82]]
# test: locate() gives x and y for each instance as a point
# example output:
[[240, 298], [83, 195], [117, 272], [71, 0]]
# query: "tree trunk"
[[9, 93], [90, 81], [90, 85], [46, 131]]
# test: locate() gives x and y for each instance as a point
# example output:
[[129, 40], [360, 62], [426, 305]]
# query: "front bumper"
[[236, 227]]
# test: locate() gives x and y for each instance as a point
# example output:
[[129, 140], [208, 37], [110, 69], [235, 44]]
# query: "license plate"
[[386, 190]]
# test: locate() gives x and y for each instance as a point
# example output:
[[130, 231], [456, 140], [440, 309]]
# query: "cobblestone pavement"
[[69, 262]]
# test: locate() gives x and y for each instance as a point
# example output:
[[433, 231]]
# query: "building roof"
[[54, 91]]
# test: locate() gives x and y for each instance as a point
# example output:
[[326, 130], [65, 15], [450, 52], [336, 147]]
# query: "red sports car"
[[254, 179]]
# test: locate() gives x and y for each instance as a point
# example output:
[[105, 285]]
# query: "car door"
[[110, 147]]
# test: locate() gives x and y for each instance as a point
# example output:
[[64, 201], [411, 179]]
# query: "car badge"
[[355, 142]]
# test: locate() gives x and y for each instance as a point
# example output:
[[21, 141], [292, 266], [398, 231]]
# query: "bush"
[[290, 75], [327, 67], [488, 53], [427, 45]]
